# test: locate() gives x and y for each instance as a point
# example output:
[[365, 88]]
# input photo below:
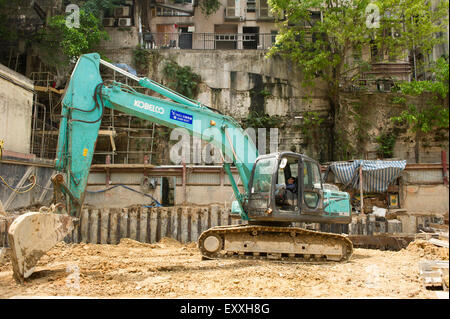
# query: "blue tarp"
[[377, 175], [126, 67]]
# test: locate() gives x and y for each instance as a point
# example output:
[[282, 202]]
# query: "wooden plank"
[[437, 242]]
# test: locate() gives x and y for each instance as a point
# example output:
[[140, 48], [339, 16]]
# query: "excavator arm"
[[83, 106]]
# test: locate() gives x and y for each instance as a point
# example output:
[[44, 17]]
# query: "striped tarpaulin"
[[377, 175]]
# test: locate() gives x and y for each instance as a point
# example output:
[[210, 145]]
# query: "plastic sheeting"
[[376, 175]]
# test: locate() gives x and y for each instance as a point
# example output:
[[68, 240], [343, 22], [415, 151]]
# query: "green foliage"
[[96, 7], [433, 113], [256, 120], [319, 47], [310, 127], [386, 145], [209, 7], [141, 59], [415, 21], [182, 79], [60, 44]]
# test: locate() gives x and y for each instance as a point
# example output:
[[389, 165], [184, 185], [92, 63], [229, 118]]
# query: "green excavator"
[[278, 190]]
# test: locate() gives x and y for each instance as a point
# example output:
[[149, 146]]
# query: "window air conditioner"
[[108, 22], [122, 12], [124, 22]]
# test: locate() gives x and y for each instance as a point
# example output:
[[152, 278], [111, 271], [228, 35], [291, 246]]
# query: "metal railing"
[[210, 41]]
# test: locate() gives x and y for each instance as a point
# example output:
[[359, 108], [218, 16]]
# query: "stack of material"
[[434, 273]]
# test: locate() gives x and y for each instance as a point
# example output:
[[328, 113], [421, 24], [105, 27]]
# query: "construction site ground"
[[170, 269]]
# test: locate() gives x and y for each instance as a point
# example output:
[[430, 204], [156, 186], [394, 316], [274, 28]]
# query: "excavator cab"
[[287, 187]]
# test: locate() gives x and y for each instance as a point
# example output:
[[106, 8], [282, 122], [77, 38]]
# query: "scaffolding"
[[123, 139]]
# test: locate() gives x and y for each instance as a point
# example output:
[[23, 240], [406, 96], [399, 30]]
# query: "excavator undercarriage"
[[291, 244]]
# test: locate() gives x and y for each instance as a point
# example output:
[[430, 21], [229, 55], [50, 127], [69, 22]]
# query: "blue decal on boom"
[[181, 117]]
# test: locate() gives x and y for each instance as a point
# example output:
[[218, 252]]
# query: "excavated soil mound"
[[170, 242], [126, 242], [428, 250], [169, 269]]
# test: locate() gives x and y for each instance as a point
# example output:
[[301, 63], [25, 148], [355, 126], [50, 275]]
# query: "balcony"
[[210, 41]]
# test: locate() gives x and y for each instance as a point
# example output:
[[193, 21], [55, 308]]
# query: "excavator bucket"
[[31, 235]]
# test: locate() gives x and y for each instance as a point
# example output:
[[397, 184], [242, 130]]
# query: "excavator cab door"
[[312, 191]]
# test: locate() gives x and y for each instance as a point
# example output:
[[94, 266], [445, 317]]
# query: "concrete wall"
[[426, 198], [16, 106], [12, 173], [202, 188]]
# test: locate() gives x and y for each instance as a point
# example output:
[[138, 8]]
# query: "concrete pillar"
[[409, 223], [163, 221], [94, 227], [123, 224], [143, 225], [114, 225], [364, 225], [184, 225], [3, 233], [104, 221], [194, 224], [214, 215], [75, 238], [174, 223], [204, 213], [84, 225], [224, 217], [133, 223], [371, 225], [394, 226], [381, 225], [153, 224]]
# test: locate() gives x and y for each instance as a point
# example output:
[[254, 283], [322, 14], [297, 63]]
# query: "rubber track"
[[222, 231]]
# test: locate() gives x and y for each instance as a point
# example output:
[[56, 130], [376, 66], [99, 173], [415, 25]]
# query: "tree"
[[320, 36], [430, 111], [60, 45], [209, 7]]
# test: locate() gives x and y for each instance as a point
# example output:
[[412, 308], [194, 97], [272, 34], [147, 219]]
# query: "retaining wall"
[[148, 225]]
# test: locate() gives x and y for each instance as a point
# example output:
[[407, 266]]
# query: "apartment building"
[[181, 24]]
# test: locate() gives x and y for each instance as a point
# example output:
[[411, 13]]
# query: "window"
[[312, 184], [251, 5], [262, 178], [165, 12], [231, 9]]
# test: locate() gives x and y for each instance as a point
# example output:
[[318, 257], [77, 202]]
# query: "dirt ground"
[[170, 269]]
